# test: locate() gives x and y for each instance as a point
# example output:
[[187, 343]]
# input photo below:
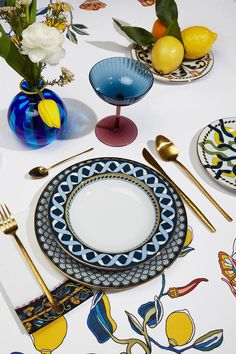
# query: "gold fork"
[[9, 226]]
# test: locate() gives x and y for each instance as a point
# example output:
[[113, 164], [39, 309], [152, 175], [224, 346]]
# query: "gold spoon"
[[169, 152], [41, 171], [150, 159]]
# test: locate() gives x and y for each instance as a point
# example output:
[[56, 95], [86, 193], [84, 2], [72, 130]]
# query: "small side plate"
[[188, 71], [217, 151]]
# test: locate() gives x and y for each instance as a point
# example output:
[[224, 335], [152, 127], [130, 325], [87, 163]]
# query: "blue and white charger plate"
[[104, 278], [112, 213], [217, 151]]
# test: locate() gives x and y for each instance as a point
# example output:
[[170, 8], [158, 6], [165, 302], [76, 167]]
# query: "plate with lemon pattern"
[[217, 151], [188, 71]]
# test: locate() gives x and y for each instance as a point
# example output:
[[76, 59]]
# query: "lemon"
[[48, 338], [179, 328], [167, 54], [198, 41], [189, 237]]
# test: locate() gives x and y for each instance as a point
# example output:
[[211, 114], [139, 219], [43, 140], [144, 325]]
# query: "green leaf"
[[185, 251], [166, 11], [18, 62], [79, 26], [209, 341], [174, 30], [134, 323], [10, 2], [139, 35], [71, 36], [32, 11], [10, 53], [80, 32]]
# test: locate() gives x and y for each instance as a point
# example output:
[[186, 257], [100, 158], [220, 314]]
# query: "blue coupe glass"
[[121, 82]]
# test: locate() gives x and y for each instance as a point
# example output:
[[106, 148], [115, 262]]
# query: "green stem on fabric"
[[163, 278], [129, 342], [170, 348], [146, 336]]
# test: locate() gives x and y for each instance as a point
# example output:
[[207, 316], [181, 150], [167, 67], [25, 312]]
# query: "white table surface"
[[178, 111]]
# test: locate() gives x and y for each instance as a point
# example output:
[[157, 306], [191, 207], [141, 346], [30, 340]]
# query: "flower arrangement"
[[28, 46]]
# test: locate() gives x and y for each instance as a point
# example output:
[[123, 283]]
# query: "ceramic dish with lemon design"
[[217, 151], [188, 71]]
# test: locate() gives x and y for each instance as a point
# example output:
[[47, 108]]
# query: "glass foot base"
[[124, 135]]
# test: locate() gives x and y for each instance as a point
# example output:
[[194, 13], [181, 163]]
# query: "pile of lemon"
[[168, 52]]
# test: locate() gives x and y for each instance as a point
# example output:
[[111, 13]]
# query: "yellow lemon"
[[189, 237], [179, 328], [167, 54], [51, 336], [198, 41]]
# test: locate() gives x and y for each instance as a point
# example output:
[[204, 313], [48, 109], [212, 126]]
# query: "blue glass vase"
[[24, 118]]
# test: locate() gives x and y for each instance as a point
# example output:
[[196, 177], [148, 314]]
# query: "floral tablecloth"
[[191, 306]]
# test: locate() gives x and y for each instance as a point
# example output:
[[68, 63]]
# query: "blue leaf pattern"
[[154, 318], [143, 310], [209, 341], [100, 322]]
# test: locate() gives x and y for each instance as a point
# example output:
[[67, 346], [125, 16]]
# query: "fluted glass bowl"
[[120, 81]]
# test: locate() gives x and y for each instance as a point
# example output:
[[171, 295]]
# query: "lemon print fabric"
[[50, 337], [180, 328], [217, 151], [198, 41]]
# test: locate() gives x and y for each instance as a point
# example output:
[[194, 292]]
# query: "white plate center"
[[112, 215]]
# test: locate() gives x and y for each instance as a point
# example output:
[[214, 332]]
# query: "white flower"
[[24, 2], [43, 44]]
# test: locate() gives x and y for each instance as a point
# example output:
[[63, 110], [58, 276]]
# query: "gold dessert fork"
[[9, 226]]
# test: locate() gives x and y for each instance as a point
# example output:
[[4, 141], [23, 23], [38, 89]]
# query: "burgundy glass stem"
[[117, 120]]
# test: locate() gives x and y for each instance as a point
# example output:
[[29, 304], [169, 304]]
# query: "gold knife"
[[152, 161]]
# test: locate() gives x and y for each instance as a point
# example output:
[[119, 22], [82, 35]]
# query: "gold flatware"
[[9, 226], [152, 161], [41, 171], [168, 151]]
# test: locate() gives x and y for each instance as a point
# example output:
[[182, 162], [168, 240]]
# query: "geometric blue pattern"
[[95, 167], [105, 278]]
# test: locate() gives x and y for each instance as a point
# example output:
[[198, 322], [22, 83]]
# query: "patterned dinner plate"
[[112, 213], [104, 278], [217, 151], [188, 71]]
